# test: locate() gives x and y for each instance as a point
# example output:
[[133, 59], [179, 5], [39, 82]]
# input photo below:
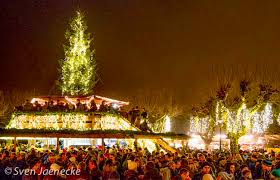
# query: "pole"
[[15, 144], [220, 138], [57, 144], [103, 145]]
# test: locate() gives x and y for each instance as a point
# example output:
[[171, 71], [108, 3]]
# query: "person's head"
[[266, 165], [172, 165], [244, 167], [12, 155], [101, 157], [112, 156], [51, 159], [108, 165], [150, 165], [206, 168], [131, 165], [21, 156], [92, 164], [254, 158], [167, 156], [138, 162], [184, 174], [231, 168], [63, 155], [178, 164], [201, 158], [247, 174], [207, 177]]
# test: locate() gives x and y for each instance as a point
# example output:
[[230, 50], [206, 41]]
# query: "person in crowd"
[[184, 174], [275, 174], [228, 174], [103, 107], [65, 107], [71, 107], [94, 172], [151, 173], [246, 175], [136, 116], [45, 107], [27, 106], [131, 173], [263, 170], [144, 126], [80, 106], [51, 106], [36, 106], [144, 114], [252, 162], [131, 116], [206, 169], [93, 106]]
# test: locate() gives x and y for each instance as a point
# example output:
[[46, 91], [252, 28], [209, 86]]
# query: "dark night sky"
[[148, 44]]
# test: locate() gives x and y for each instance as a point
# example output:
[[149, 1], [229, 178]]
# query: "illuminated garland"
[[64, 120], [53, 132]]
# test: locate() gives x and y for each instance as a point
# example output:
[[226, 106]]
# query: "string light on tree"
[[167, 126], [79, 65], [257, 124], [267, 115]]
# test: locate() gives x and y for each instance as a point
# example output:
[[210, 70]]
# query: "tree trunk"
[[207, 146], [234, 148]]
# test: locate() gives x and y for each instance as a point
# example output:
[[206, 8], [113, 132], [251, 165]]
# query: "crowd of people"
[[136, 116], [60, 106], [117, 163]]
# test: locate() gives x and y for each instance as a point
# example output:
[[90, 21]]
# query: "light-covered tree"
[[250, 110], [79, 65]]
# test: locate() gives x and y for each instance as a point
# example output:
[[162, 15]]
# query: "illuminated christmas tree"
[[79, 65]]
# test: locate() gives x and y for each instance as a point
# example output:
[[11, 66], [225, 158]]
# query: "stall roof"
[[74, 99]]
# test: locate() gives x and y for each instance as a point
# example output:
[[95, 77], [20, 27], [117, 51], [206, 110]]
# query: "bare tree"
[[158, 104], [11, 98]]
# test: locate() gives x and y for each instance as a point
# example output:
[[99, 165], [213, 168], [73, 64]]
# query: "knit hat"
[[207, 177], [131, 165], [276, 172], [267, 162]]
